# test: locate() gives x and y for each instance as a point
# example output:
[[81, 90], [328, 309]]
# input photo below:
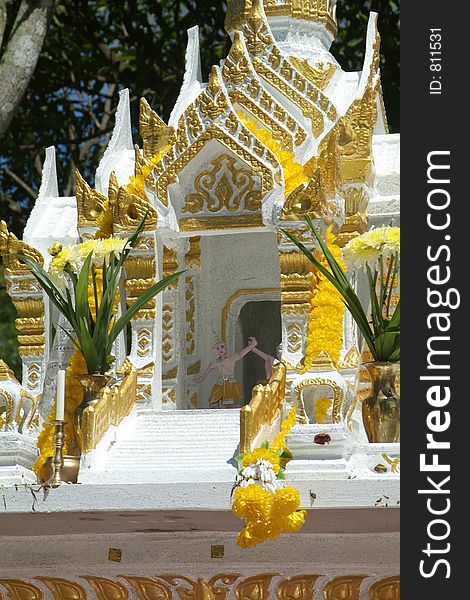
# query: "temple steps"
[[188, 445]]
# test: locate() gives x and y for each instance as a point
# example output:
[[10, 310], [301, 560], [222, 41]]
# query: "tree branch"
[[20, 56], [21, 183]]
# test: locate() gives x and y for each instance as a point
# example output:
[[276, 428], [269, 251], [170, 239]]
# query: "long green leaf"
[[342, 285], [140, 303], [82, 305], [47, 284]]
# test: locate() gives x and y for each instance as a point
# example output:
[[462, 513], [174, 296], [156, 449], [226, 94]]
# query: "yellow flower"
[[293, 522], [286, 501], [325, 324], [262, 454], [104, 221], [247, 539], [279, 443], [294, 174], [367, 248], [321, 409], [55, 248], [252, 502], [267, 529]]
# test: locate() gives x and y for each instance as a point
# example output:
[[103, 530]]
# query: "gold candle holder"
[[57, 463]]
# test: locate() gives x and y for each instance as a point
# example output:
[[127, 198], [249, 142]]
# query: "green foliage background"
[[96, 47]]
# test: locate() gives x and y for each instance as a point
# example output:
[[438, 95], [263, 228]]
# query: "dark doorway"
[[261, 319]]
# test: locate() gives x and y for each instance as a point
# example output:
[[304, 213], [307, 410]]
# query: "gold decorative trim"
[[234, 297], [194, 368], [266, 404], [10, 244], [261, 586], [129, 209], [214, 132], [317, 11], [338, 396], [193, 255], [221, 222], [224, 186], [319, 75], [113, 406], [90, 203]]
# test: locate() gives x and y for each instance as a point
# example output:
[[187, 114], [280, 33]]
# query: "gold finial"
[[236, 66], [10, 244], [6, 374], [90, 202], [156, 134], [323, 362], [212, 102]]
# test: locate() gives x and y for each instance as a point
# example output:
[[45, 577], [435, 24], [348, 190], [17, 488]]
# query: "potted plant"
[[377, 252], [82, 283]]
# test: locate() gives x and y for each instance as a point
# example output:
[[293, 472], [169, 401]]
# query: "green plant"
[[96, 329], [382, 332]]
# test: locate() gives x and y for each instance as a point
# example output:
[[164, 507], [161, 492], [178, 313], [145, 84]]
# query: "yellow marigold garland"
[[267, 512], [136, 182], [294, 174], [325, 323]]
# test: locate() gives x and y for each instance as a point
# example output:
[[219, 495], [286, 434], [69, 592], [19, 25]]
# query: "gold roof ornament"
[[320, 74], [317, 11], [129, 209], [10, 244], [307, 200], [6, 374], [323, 362], [90, 202], [156, 134], [351, 359]]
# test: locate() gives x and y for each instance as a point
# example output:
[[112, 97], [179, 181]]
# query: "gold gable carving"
[[90, 202], [156, 134], [319, 75], [214, 132], [223, 186]]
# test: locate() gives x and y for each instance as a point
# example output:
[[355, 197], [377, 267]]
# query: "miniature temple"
[[278, 132]]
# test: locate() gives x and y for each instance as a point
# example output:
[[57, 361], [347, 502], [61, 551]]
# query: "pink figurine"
[[227, 392], [269, 360]]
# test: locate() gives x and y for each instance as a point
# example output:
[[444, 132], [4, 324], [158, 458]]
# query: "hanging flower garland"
[[325, 323], [267, 508], [137, 181], [294, 174]]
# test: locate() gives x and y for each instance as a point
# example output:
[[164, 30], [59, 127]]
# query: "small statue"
[[269, 360], [227, 392], [15, 399]]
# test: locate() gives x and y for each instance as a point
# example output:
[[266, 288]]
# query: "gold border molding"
[[234, 297]]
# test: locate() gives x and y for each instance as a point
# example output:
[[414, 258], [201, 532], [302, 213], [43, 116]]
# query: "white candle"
[[59, 411]]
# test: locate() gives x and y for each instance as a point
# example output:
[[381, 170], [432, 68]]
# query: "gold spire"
[[317, 11], [155, 133]]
